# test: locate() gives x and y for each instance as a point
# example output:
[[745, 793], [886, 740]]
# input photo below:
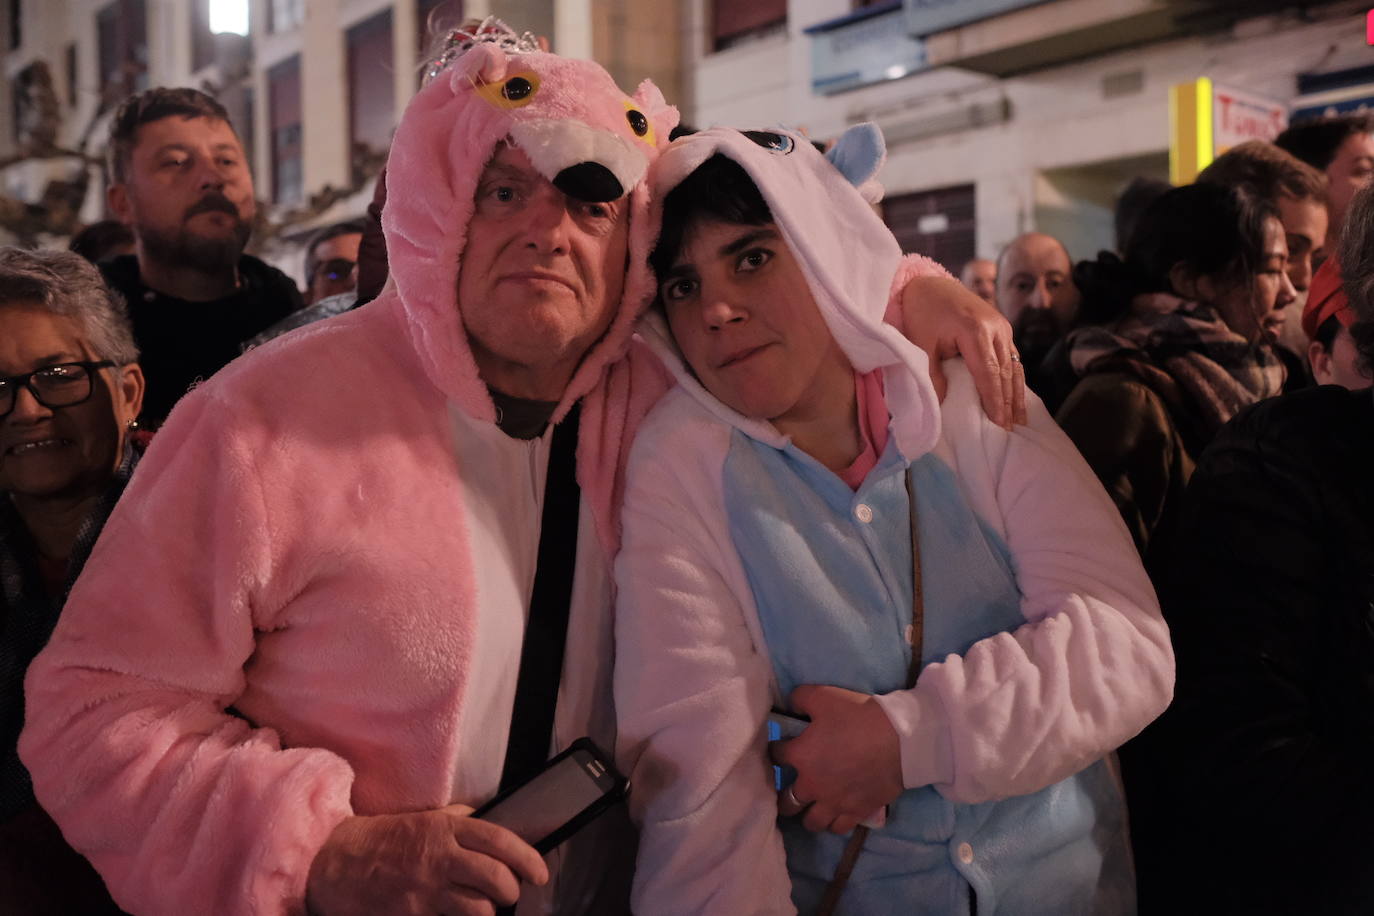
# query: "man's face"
[[336, 266], [188, 194], [1350, 170], [980, 275], [541, 277], [1304, 227], [1035, 290]]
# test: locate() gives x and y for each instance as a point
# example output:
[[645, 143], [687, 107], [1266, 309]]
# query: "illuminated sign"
[[1205, 120]]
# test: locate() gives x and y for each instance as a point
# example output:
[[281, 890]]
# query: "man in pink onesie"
[[291, 664]]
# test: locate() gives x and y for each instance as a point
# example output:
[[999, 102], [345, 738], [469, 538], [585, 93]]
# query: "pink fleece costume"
[[299, 545]]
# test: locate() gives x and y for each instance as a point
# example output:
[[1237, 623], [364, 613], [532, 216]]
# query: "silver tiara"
[[489, 31]]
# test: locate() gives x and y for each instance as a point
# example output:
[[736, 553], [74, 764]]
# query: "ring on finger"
[[791, 796], [1016, 357]]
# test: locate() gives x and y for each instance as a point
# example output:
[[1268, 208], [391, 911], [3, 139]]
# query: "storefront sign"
[[1205, 120]]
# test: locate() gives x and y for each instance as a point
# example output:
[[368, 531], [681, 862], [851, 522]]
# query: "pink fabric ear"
[[481, 64], [655, 107]]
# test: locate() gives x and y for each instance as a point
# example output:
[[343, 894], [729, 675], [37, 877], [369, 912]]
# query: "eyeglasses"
[[336, 268], [62, 385]]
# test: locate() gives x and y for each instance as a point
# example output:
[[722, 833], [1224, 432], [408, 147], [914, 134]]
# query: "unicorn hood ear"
[[859, 154]]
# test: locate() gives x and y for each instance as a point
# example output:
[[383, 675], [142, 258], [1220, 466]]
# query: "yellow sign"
[[1205, 120], [1190, 130]]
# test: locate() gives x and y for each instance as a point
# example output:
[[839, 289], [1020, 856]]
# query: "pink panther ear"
[[482, 63], [655, 107]]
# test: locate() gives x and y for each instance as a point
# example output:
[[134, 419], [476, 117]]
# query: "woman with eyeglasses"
[[70, 390]]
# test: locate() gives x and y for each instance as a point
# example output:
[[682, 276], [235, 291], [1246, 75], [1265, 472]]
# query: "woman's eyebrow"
[[749, 238]]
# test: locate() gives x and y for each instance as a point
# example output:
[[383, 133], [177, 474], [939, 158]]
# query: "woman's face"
[[1254, 310], [59, 452], [746, 322]]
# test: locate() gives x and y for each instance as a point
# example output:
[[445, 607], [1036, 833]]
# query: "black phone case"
[[617, 792]]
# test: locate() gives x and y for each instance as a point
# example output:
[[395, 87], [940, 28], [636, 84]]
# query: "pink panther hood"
[[574, 124]]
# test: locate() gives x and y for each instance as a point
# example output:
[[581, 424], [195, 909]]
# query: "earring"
[[132, 425]]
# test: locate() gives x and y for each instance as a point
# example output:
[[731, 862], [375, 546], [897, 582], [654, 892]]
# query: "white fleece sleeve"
[[1091, 666], [691, 690]]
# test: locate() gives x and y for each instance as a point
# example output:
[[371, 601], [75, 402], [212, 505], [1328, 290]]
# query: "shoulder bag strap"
[[855, 846]]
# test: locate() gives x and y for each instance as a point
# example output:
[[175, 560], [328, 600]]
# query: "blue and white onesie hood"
[[822, 206]]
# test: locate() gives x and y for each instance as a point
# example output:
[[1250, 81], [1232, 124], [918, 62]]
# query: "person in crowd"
[[180, 180], [307, 622], [1174, 344], [1299, 192], [1138, 194], [1251, 794], [103, 240], [331, 260], [332, 264], [1342, 147], [372, 264], [70, 388], [1036, 293], [980, 276], [1327, 321], [967, 690]]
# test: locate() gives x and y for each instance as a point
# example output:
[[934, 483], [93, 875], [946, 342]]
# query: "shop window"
[[371, 93], [202, 39], [939, 224], [733, 21], [69, 66], [434, 19], [285, 15], [284, 115], [122, 39]]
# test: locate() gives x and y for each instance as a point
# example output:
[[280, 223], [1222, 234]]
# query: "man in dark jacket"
[[180, 180]]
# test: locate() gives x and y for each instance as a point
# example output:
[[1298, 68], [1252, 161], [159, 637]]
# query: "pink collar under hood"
[[574, 124]]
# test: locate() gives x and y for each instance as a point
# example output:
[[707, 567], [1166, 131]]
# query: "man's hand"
[[848, 761], [427, 862], [943, 318]]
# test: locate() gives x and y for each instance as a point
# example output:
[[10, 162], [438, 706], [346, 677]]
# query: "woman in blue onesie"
[[768, 561]]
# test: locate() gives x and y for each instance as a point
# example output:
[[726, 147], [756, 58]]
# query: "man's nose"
[[1039, 297], [211, 175], [548, 223]]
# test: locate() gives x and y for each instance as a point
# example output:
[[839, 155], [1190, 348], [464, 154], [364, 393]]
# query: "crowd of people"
[[599, 426]]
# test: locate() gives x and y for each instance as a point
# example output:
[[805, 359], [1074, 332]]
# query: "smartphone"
[[785, 725], [567, 794]]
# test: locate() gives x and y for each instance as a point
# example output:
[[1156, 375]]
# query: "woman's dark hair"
[[720, 189], [1356, 255], [1212, 230]]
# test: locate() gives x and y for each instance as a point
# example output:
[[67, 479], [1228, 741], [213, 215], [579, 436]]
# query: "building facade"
[[314, 87], [1003, 116]]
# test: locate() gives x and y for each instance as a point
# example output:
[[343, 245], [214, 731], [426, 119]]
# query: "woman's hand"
[[422, 862], [943, 318], [848, 761]]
